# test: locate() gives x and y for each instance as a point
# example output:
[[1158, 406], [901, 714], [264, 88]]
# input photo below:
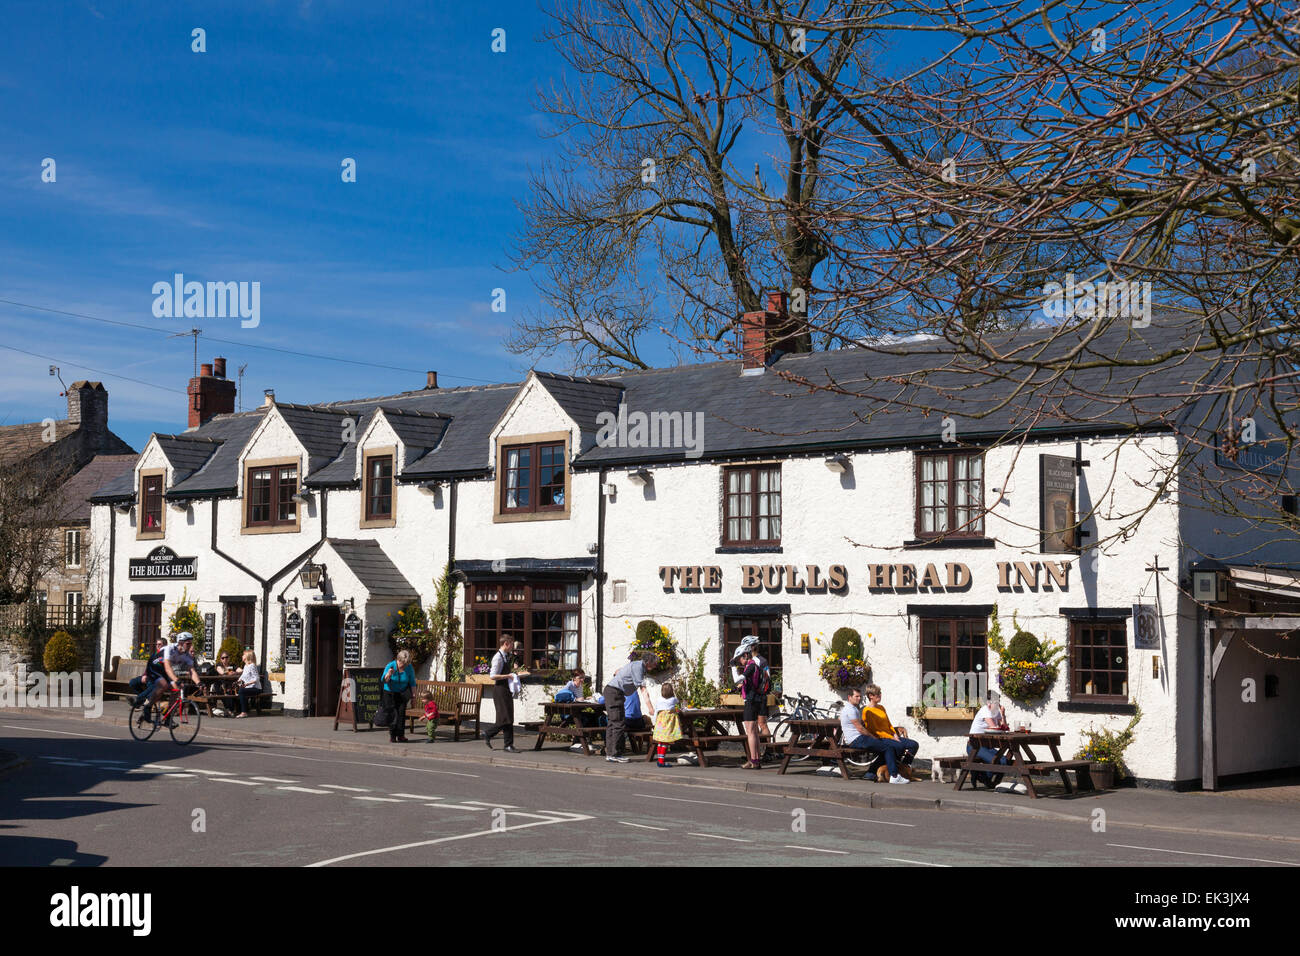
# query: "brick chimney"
[[211, 393], [88, 407], [431, 380], [768, 334]]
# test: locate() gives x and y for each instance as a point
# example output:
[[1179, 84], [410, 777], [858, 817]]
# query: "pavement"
[[1266, 812]]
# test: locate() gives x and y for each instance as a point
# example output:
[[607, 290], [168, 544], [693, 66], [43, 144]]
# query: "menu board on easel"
[[352, 641], [293, 638], [359, 696]]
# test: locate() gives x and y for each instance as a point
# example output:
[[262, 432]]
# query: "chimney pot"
[[270, 396], [431, 380], [210, 394], [205, 370], [219, 367]]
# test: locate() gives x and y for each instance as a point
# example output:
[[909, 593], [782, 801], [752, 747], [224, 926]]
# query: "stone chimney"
[[771, 333], [88, 407], [268, 397], [431, 380], [210, 394]]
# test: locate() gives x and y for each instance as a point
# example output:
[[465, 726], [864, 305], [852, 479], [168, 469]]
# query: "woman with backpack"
[[754, 685]]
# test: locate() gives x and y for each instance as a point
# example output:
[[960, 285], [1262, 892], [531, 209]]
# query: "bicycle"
[[181, 716], [806, 708]]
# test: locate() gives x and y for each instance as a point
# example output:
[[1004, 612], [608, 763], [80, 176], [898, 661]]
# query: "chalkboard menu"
[[209, 633], [293, 638], [359, 696], [352, 641]]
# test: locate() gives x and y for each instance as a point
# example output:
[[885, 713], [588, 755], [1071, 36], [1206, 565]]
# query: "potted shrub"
[[1104, 749], [479, 672], [60, 654]]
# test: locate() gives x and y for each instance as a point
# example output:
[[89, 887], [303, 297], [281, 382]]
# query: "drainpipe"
[[451, 563], [600, 580], [112, 553]]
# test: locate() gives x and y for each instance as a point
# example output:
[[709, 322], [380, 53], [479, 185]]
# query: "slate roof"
[[887, 395], [187, 453], [373, 568], [99, 471], [18, 442]]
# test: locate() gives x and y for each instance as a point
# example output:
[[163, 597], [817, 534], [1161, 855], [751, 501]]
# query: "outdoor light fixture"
[[310, 575], [303, 496], [838, 464], [123, 507], [610, 489], [178, 504], [640, 477]]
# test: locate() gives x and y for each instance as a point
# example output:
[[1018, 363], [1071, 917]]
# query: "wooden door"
[[327, 660]]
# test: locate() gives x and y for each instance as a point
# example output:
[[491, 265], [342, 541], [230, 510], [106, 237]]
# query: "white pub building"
[[730, 498]]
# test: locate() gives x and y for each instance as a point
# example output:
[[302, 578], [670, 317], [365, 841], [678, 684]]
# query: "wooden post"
[[1209, 766]]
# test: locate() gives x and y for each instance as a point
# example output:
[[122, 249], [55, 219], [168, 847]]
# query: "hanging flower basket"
[[1026, 681], [843, 672], [659, 642]]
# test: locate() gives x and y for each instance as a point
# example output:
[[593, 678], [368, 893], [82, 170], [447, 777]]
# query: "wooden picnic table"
[[554, 712], [703, 729], [1022, 763], [814, 737]]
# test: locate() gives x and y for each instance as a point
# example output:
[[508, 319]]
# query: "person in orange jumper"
[[877, 723]]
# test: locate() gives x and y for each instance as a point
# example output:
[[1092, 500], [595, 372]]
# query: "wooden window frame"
[[273, 526], [79, 604], [369, 519], [533, 512], [146, 477], [152, 638], [67, 535], [953, 532], [753, 495], [1077, 672], [248, 608], [953, 625], [773, 650], [476, 604]]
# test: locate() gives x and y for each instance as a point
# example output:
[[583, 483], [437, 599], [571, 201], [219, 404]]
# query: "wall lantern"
[[640, 477], [310, 575], [303, 496], [123, 507], [179, 504], [838, 464]]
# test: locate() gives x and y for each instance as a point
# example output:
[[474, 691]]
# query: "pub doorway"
[[327, 660]]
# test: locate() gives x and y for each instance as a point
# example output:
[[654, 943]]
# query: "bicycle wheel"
[[862, 758], [141, 728], [184, 722]]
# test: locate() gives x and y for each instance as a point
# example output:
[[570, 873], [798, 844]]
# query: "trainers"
[[1006, 786], [898, 778], [616, 759]]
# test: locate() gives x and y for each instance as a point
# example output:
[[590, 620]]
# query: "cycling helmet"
[[184, 636]]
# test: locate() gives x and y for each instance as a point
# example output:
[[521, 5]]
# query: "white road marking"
[[571, 818], [489, 803], [304, 790], [242, 783], [894, 859], [642, 826], [1217, 856], [454, 806], [63, 861], [378, 799], [62, 733], [277, 754], [213, 773], [738, 806], [815, 849], [159, 766], [335, 786], [714, 836], [272, 780], [415, 796]]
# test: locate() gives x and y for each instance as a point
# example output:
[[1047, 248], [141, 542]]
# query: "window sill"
[[270, 529], [150, 535], [1096, 707], [749, 549], [511, 516], [390, 522], [932, 544]]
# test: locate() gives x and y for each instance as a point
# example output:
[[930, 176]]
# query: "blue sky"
[[225, 166]]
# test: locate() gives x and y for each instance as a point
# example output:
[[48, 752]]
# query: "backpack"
[[764, 682]]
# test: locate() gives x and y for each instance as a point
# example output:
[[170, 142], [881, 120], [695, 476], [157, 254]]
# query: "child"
[[430, 712], [668, 725], [573, 689]]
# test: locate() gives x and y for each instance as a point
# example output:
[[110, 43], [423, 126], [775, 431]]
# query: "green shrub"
[[846, 642], [186, 617], [232, 647], [60, 653], [1023, 647], [647, 632]]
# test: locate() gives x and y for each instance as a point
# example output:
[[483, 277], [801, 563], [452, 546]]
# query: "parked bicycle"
[[173, 710]]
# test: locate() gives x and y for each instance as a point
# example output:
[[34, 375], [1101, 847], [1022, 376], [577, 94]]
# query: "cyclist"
[[164, 669], [749, 644]]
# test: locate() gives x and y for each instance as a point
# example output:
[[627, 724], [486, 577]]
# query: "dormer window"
[[533, 478], [150, 524], [379, 488], [269, 493]]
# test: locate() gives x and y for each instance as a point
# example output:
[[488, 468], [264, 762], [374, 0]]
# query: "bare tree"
[[32, 506]]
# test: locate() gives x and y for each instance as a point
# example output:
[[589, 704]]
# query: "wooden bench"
[[226, 699], [123, 670], [457, 704]]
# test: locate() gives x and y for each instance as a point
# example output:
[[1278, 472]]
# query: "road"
[[95, 797]]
